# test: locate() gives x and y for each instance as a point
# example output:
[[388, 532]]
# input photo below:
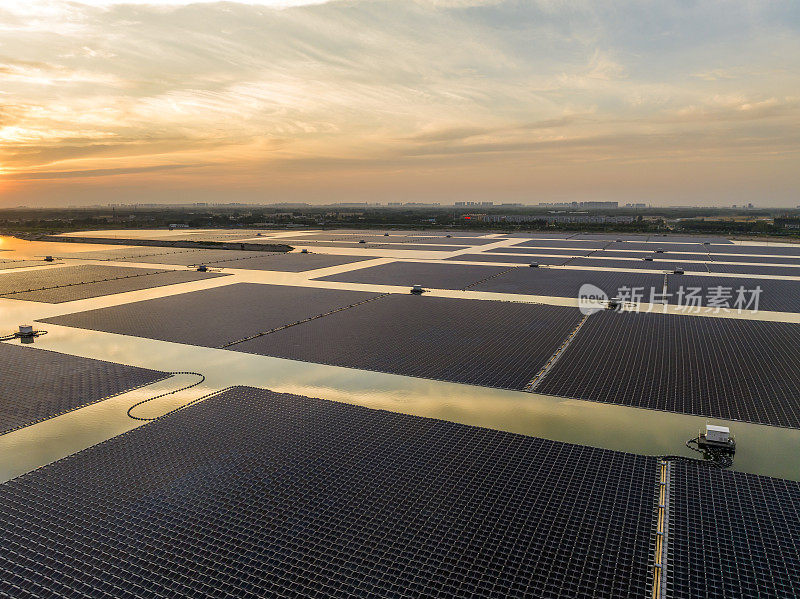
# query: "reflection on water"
[[760, 449]]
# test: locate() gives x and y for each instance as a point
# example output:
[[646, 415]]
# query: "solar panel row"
[[428, 274], [731, 534], [36, 384], [78, 291], [720, 367], [214, 317], [494, 344], [258, 494]]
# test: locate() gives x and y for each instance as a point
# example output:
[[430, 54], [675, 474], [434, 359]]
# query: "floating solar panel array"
[[656, 264], [511, 259], [731, 534], [735, 292], [46, 278], [194, 257], [727, 368], [563, 282], [489, 343], [760, 259], [256, 494], [744, 269], [123, 253], [428, 274], [4, 264], [666, 245], [530, 250], [36, 384], [295, 262], [69, 293], [772, 250], [565, 243], [214, 317]]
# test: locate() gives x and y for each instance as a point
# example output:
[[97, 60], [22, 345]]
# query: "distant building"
[[581, 204]]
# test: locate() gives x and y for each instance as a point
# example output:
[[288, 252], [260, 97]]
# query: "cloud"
[[420, 85], [99, 172]]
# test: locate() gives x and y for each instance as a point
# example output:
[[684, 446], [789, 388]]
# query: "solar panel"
[[610, 237], [537, 235], [296, 262], [731, 534], [419, 247], [781, 271], [620, 254], [257, 494], [735, 292], [214, 317], [4, 264], [301, 243], [46, 278], [777, 250], [762, 259], [565, 243], [567, 282], [449, 240], [194, 257], [427, 274], [494, 344], [510, 259], [515, 249], [688, 239], [37, 384], [656, 264], [722, 367], [653, 245], [81, 291], [122, 253]]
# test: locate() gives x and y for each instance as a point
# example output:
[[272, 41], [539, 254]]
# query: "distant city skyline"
[[399, 101]]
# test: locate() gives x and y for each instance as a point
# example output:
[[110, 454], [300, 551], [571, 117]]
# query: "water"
[[761, 449]]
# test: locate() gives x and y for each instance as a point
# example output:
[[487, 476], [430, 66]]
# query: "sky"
[[169, 101]]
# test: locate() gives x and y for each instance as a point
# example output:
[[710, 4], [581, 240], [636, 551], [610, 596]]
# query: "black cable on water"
[[202, 379]]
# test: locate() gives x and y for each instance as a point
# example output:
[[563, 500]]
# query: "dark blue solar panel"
[[727, 368], [257, 494], [36, 384], [489, 343], [428, 274], [511, 259], [731, 534]]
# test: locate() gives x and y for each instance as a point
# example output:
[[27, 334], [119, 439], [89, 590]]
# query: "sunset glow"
[[362, 100]]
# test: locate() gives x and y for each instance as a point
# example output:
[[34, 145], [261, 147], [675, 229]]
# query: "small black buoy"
[[534, 265], [48, 258], [202, 268]]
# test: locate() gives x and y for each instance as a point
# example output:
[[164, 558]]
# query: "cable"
[[19, 335], [202, 379], [715, 458]]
